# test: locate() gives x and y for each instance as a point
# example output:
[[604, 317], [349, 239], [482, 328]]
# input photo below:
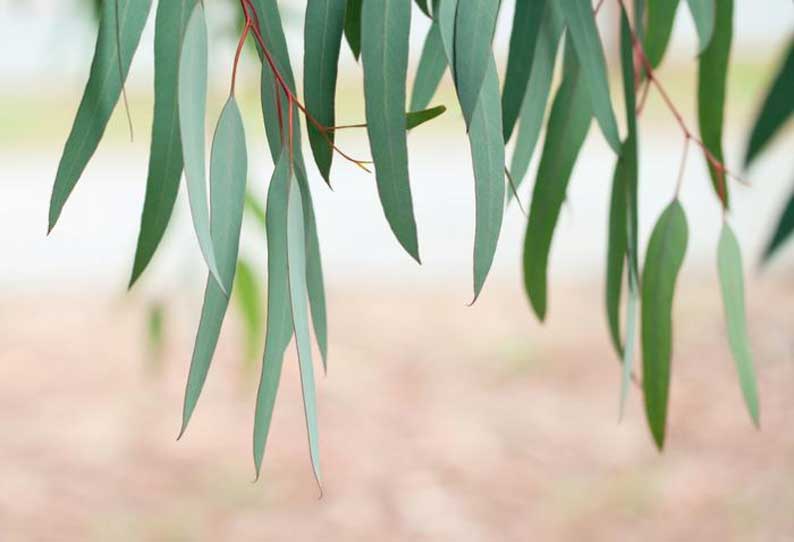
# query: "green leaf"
[[703, 14], [445, 16], [488, 157], [417, 118], [325, 21], [275, 40], [431, 68], [279, 312], [729, 260], [663, 260], [527, 20], [785, 227], [661, 16], [296, 272], [353, 26], [622, 238], [248, 296], [228, 172], [474, 27], [101, 93], [192, 113], [587, 43], [384, 47], [712, 85], [533, 109], [165, 158], [568, 125], [777, 108], [422, 5], [628, 350]]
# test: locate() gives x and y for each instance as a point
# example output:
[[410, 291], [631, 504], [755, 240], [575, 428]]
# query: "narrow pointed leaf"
[[248, 297], [445, 16], [661, 16], [101, 93], [417, 118], [165, 158], [783, 231], [488, 158], [276, 43], [192, 113], [432, 65], [666, 250], [384, 49], [569, 122], [474, 27], [325, 21], [777, 108], [703, 12], [279, 312], [296, 273], [580, 21], [534, 108], [228, 172], [712, 86], [353, 26], [729, 260], [523, 39]]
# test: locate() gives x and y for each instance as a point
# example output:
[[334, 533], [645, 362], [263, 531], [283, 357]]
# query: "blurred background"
[[437, 421]]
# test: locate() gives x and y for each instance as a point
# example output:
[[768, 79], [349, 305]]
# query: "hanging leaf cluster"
[[495, 109]]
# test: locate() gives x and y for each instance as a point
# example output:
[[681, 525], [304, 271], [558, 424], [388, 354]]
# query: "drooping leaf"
[[353, 26], [192, 98], [475, 22], [777, 108], [417, 118], [248, 297], [666, 250], [325, 21], [783, 231], [729, 260], [661, 16], [568, 125], [279, 313], [445, 16], [101, 93], [488, 158], [622, 238], [533, 109], [703, 12], [228, 172], [384, 49], [165, 158], [296, 273], [275, 40], [580, 21], [432, 65], [523, 39], [712, 85]]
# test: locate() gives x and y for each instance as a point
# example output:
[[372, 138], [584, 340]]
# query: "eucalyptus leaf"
[[712, 86], [417, 118], [432, 64], [569, 122], [192, 114], [661, 16], [703, 12], [475, 22], [783, 230], [527, 20], [777, 108], [101, 93], [729, 262], [228, 172], [324, 24], [582, 30], [353, 26], [445, 16], [384, 49], [665, 254]]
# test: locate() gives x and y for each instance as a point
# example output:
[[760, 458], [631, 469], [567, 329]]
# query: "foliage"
[[460, 38]]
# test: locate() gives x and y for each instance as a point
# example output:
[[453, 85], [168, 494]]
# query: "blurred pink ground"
[[438, 423]]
